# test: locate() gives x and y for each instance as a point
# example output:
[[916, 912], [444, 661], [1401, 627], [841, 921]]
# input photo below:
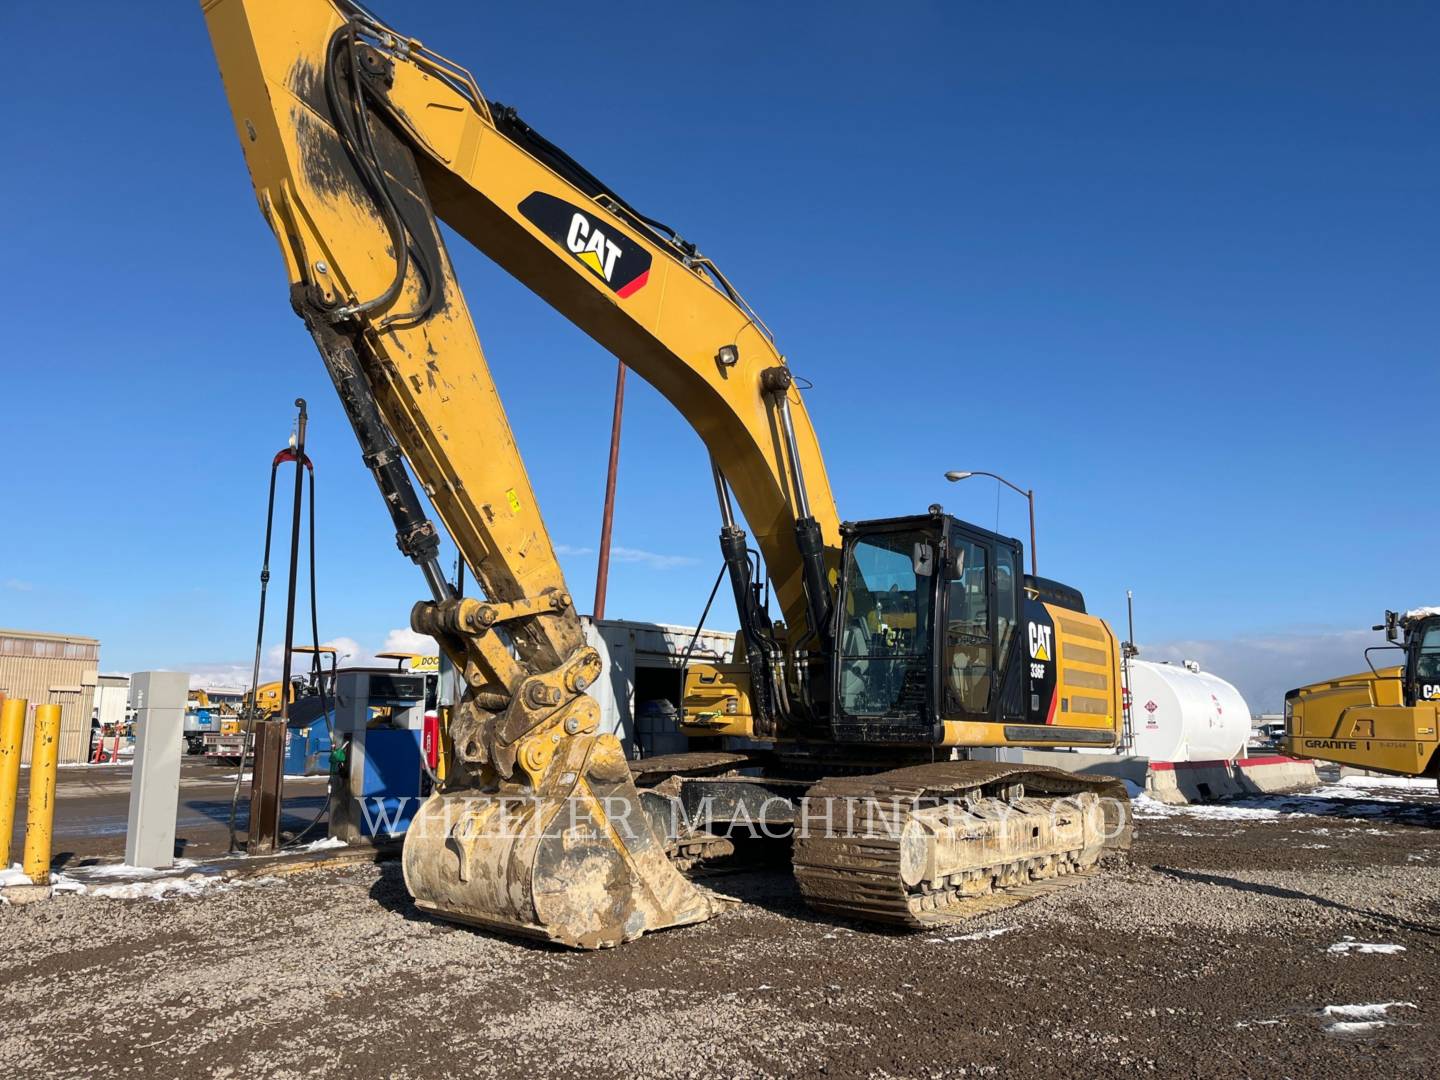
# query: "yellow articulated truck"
[[1385, 719]]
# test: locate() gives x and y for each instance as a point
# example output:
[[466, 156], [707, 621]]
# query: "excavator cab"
[[942, 639], [928, 610], [1422, 658]]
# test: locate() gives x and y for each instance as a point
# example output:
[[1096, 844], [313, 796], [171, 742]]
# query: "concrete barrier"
[[1276, 774], [1181, 782], [1120, 766], [1176, 782]]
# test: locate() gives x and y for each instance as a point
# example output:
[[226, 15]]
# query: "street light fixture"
[[956, 476]]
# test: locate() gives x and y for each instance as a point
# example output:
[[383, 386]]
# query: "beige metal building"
[[52, 669]]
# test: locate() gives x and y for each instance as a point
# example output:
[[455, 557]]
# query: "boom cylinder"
[[736, 552], [758, 650], [819, 603]]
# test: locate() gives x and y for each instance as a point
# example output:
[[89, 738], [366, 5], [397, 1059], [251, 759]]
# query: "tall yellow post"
[[40, 803], [12, 733]]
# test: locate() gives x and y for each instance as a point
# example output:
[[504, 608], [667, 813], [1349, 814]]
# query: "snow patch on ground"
[[1355, 1027], [1353, 796], [152, 884], [1376, 1011], [161, 889], [1365, 802], [1350, 945], [327, 844], [173, 887], [64, 883], [1360, 1019], [323, 845], [124, 870], [288, 776], [979, 935], [1404, 783], [1146, 806], [92, 764]]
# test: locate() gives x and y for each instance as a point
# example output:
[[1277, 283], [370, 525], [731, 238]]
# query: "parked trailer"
[[226, 747], [642, 684]]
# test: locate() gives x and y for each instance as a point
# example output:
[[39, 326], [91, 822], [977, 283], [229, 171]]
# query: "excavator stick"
[[573, 860]]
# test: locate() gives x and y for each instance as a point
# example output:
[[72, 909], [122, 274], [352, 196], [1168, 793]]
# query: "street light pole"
[[1030, 498], [1029, 493]]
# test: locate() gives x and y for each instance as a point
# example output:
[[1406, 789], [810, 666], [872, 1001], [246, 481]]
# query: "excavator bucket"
[[573, 860]]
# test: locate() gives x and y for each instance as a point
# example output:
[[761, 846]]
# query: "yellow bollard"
[[12, 733], [40, 803]]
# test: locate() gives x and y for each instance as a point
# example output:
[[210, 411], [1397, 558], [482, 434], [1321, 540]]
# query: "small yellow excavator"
[[901, 644], [1384, 719]]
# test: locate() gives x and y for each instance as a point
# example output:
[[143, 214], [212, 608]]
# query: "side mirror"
[[923, 559]]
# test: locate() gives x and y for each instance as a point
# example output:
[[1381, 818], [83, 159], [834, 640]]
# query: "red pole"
[[602, 572]]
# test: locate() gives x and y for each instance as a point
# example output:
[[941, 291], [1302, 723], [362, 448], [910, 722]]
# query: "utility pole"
[[602, 571]]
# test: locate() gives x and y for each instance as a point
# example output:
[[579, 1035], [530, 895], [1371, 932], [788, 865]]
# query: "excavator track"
[[932, 844]]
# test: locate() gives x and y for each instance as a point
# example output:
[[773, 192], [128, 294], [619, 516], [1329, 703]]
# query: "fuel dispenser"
[[379, 730]]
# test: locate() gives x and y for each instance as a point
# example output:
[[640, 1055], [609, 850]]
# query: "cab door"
[[981, 611]]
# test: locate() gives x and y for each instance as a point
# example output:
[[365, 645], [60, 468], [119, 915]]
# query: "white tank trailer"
[[1180, 713]]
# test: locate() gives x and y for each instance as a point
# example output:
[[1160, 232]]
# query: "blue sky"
[[1174, 266]]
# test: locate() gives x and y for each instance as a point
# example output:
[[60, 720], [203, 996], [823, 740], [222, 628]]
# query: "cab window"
[[1427, 664], [969, 648], [1007, 609]]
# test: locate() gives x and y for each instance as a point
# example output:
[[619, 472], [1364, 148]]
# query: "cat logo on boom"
[[615, 259], [596, 252]]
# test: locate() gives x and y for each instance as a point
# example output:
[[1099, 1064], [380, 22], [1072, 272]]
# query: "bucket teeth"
[[574, 861]]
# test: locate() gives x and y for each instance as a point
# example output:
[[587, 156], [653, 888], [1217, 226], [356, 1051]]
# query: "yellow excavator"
[[1385, 719], [900, 644]]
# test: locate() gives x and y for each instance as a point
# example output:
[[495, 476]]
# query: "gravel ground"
[[1216, 951]]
